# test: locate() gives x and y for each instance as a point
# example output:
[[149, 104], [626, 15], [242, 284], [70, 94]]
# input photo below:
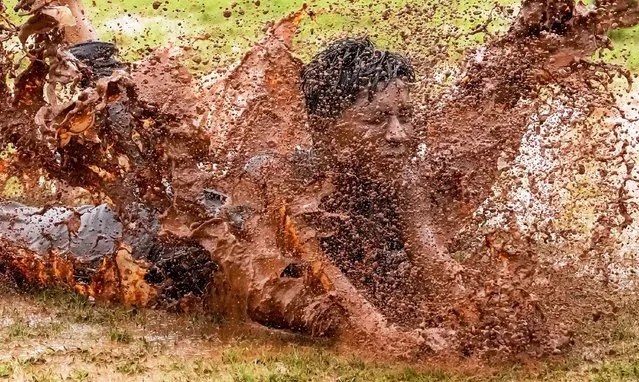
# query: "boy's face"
[[377, 133]]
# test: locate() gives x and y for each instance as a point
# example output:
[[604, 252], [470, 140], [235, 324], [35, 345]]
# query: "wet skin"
[[377, 135]]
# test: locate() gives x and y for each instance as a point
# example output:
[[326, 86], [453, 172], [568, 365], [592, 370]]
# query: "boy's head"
[[359, 104]]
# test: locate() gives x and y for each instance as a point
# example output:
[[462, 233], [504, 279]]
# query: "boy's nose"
[[395, 133]]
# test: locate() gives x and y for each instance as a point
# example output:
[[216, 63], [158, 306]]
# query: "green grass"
[[79, 375], [114, 344], [118, 335], [6, 370], [626, 52], [179, 22], [131, 367], [137, 27]]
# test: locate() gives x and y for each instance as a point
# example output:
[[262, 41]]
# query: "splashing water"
[[484, 207]]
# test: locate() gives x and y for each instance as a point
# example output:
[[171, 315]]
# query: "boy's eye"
[[406, 112], [375, 117], [370, 119], [405, 115]]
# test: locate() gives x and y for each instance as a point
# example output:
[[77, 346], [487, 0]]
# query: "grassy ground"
[[218, 32], [137, 25], [57, 336], [52, 336]]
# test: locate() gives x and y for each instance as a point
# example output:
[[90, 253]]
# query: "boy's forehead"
[[396, 93]]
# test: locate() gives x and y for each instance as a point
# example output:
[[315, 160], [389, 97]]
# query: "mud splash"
[[221, 204]]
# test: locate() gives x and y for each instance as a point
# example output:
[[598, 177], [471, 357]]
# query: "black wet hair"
[[332, 81]]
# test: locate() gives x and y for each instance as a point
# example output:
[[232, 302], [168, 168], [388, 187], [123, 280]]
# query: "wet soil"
[[205, 175]]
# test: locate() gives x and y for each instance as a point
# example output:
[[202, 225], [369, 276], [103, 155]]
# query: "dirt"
[[54, 335], [218, 215]]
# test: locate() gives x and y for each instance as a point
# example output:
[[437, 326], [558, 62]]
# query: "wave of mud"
[[514, 221]]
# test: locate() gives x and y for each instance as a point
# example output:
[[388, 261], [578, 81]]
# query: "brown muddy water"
[[349, 199]]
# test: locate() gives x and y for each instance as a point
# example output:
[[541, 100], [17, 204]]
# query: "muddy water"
[[516, 199]]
